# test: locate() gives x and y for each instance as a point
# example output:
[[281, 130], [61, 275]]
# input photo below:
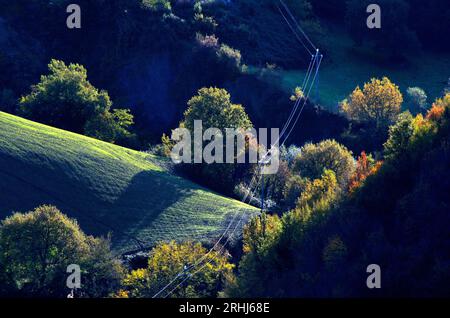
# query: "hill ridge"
[[105, 187]]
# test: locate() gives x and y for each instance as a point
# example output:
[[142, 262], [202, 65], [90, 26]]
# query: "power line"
[[250, 192], [293, 31], [297, 24], [304, 102], [313, 65], [189, 275]]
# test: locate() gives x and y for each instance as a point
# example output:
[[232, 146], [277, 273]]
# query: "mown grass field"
[[107, 188]]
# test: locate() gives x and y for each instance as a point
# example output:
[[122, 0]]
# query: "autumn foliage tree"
[[378, 102], [438, 108], [167, 260], [365, 166]]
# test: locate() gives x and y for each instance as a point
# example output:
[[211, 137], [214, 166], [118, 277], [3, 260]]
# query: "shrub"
[[157, 5]]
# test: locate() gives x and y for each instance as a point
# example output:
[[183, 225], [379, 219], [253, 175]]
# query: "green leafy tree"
[[167, 260], [214, 108], [110, 126], [328, 154], [259, 238], [399, 136], [37, 247], [66, 99], [157, 5]]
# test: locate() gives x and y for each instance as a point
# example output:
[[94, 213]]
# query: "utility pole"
[[318, 77], [263, 162], [262, 189]]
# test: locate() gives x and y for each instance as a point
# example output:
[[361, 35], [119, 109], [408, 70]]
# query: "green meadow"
[[107, 188], [346, 65]]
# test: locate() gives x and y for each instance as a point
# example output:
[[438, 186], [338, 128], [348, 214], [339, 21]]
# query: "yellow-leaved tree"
[[379, 102], [179, 260]]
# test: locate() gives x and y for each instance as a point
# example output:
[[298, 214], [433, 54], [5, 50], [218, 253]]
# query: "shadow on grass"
[[147, 197]]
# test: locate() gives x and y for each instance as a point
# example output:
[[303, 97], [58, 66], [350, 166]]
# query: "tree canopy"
[[167, 260], [379, 102], [328, 154], [66, 99], [36, 248]]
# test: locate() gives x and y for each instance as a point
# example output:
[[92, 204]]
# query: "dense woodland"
[[368, 184]]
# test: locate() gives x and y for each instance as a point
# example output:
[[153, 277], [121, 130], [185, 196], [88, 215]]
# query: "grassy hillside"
[[106, 187], [346, 65]]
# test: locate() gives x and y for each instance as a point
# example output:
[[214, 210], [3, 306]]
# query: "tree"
[[37, 247], [157, 5], [365, 166], [318, 194], [66, 99], [292, 190], [230, 57], [214, 108], [167, 260], [399, 216], [436, 113], [272, 245], [328, 154], [334, 252], [258, 262], [110, 126], [399, 136], [378, 102], [417, 99]]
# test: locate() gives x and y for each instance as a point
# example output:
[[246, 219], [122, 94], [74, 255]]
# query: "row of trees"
[[371, 110], [395, 215], [147, 56], [342, 215], [338, 208], [37, 247]]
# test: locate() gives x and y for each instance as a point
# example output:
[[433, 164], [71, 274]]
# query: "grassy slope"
[[106, 187], [346, 66]]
